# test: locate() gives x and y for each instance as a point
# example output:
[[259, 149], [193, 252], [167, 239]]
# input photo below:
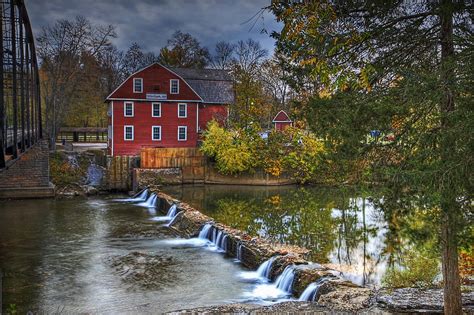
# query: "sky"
[[151, 23]]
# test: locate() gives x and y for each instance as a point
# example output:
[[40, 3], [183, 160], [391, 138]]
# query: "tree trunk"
[[452, 287], [449, 207]]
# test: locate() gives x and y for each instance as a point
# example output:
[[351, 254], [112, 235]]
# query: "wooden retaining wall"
[[119, 172], [190, 160]]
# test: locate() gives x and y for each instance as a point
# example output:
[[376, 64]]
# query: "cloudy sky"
[[151, 22]]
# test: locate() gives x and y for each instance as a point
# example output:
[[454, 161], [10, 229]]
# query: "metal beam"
[[22, 82], [2, 99], [14, 85]]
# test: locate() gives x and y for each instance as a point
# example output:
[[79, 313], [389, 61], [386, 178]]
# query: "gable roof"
[[282, 116], [212, 85]]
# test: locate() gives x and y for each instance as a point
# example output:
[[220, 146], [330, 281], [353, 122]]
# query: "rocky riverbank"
[[334, 293]]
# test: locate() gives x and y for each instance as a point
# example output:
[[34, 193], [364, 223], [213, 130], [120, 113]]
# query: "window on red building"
[[182, 110], [137, 85], [156, 110], [182, 133], [174, 86], [128, 109], [128, 133], [156, 133]]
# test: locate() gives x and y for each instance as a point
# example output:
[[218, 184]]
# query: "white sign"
[[154, 96]]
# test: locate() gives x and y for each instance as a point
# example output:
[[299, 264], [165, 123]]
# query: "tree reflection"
[[363, 232]]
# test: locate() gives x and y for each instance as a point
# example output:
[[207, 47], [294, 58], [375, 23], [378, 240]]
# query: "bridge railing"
[[20, 102]]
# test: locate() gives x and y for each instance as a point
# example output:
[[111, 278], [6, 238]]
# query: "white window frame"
[[141, 85], [125, 109], [125, 133], [171, 86], [153, 133], [185, 133], [153, 109], [185, 110]]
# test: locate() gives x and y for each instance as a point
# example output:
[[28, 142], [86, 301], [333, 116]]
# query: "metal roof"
[[212, 85]]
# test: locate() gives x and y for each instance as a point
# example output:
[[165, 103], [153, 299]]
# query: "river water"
[[342, 227], [77, 256]]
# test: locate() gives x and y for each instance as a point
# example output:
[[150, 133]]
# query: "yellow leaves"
[[310, 61], [364, 79]]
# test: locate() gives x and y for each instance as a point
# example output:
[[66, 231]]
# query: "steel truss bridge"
[[20, 102]]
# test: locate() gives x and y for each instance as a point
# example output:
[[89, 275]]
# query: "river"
[[342, 227], [104, 255], [75, 256]]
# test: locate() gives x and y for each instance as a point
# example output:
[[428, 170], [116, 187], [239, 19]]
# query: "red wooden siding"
[[282, 125], [143, 122], [207, 112], [156, 79]]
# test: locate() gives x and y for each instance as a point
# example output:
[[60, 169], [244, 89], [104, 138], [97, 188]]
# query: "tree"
[[249, 55], [135, 59], [224, 56], [401, 69], [184, 51], [61, 49]]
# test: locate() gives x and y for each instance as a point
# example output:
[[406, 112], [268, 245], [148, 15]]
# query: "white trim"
[[153, 133], [118, 87], [125, 109], [125, 133], [171, 86], [141, 85], [152, 109], [197, 117], [155, 63], [185, 110], [161, 101], [112, 151], [281, 121], [281, 111], [185, 133]]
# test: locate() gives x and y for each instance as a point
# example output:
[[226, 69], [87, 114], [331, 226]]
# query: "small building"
[[282, 121], [160, 106]]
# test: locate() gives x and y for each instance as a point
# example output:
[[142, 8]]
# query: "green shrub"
[[63, 173], [419, 269], [292, 151]]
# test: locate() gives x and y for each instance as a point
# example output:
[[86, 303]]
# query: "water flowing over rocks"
[[288, 269]]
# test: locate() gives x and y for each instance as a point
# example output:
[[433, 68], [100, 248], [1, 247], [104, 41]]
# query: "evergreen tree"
[[403, 70]]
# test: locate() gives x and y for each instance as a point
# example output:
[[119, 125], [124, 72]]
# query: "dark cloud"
[[151, 23]]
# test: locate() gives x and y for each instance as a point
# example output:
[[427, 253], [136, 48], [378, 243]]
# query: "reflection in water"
[[342, 227]]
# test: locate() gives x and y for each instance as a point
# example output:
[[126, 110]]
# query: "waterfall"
[[311, 291], [216, 236], [150, 202], [172, 211], [239, 251], [265, 268], [284, 281], [172, 220], [205, 231], [141, 196]]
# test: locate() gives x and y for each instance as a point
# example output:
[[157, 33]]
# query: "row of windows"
[[128, 110], [138, 86], [129, 135]]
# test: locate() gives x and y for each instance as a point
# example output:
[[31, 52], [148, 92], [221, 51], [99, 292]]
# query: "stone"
[[419, 300]]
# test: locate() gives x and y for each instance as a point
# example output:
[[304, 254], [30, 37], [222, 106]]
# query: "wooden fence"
[[190, 160]]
